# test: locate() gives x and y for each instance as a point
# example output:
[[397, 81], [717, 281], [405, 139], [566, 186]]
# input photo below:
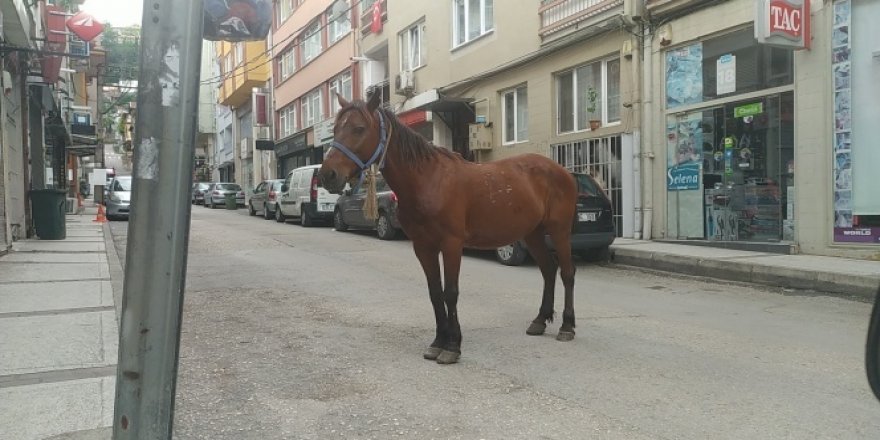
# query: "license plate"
[[326, 206], [586, 216]]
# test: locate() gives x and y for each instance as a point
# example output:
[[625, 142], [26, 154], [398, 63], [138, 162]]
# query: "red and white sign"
[[783, 23], [85, 26]]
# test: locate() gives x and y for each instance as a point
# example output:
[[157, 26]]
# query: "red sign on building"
[[85, 26], [783, 23]]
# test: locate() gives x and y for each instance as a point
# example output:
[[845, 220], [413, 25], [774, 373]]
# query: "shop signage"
[[725, 78], [324, 131], [857, 235], [748, 110], [291, 145], [783, 23], [683, 177]]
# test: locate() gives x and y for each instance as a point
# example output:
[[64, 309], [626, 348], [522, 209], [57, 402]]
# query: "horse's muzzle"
[[332, 181]]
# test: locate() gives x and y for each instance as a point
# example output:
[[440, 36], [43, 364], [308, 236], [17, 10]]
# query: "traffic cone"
[[100, 218]]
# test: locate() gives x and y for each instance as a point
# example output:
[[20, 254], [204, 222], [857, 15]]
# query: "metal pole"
[[158, 234], [99, 125]]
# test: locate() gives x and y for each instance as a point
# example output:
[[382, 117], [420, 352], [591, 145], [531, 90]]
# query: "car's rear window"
[[228, 186], [586, 185], [122, 184], [202, 186]]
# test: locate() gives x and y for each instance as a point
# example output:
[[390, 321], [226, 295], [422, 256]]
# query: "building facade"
[[495, 78], [761, 140], [243, 67], [313, 46]]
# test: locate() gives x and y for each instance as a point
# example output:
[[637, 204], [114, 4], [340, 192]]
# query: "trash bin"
[[231, 203], [48, 207]]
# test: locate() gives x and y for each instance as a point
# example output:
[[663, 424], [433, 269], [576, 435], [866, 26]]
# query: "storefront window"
[[731, 170], [725, 66]]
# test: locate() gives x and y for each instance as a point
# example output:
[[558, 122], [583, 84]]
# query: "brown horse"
[[447, 204]]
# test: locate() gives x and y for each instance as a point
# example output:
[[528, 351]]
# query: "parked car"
[[265, 198], [592, 232], [349, 213], [216, 194], [198, 192], [304, 197], [111, 174], [118, 198]]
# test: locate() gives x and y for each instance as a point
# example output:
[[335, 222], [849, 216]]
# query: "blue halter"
[[357, 161]]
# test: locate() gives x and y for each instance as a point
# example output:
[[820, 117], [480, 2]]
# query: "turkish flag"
[[376, 25], [85, 26]]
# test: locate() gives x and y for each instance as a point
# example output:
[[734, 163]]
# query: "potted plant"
[[592, 97]]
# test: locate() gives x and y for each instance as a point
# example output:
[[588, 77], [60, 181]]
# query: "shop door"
[[748, 170]]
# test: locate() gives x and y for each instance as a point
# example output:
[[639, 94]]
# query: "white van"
[[303, 197]]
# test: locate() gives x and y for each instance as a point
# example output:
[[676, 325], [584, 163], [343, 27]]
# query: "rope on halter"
[[371, 203]]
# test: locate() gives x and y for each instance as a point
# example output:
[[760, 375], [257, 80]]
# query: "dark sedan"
[[592, 231], [349, 213], [198, 192]]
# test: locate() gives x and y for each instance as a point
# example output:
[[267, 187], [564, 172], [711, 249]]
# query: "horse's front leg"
[[451, 267], [429, 257]]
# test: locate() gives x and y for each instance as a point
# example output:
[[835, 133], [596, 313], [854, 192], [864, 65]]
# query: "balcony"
[[557, 15], [367, 14], [82, 129]]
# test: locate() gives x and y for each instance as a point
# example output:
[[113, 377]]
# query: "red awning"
[[413, 117]]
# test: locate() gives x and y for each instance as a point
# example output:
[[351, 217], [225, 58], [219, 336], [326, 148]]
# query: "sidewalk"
[[59, 336], [839, 276]]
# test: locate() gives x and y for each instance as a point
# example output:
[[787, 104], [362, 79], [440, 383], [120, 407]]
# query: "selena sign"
[[783, 23]]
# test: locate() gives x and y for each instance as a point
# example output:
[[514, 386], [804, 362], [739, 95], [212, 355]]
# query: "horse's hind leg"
[[541, 254], [430, 260], [562, 243]]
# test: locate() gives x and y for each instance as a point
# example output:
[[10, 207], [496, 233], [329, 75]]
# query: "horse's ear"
[[342, 102], [375, 100]]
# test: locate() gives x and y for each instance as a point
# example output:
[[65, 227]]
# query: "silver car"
[[119, 198], [215, 195]]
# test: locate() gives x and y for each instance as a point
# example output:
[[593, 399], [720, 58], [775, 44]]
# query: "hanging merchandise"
[[237, 20]]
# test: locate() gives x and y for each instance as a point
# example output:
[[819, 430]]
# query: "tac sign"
[[783, 23], [84, 26]]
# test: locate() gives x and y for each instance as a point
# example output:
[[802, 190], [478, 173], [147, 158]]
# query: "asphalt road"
[[296, 333]]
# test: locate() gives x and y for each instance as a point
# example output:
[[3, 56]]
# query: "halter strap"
[[380, 149]]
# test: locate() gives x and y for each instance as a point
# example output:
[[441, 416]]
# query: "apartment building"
[[495, 78], [244, 66], [313, 46]]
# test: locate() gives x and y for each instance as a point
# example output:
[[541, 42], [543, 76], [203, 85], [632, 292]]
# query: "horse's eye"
[[358, 130]]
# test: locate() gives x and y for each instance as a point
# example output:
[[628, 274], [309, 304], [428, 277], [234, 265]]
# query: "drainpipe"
[[646, 155], [637, 60]]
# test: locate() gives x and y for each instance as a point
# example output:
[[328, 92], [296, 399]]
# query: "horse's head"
[[358, 142]]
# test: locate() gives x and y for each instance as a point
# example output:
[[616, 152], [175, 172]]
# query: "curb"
[[117, 274], [741, 270]]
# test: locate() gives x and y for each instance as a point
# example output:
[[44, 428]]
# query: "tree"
[[121, 45]]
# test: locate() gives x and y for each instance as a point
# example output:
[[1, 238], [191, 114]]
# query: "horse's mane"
[[409, 146]]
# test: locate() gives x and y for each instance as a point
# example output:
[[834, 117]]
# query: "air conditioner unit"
[[404, 83], [480, 137]]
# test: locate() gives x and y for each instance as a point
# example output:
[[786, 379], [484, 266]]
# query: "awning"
[[413, 117]]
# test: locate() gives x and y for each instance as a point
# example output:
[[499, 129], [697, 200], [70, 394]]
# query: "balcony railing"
[[559, 14]]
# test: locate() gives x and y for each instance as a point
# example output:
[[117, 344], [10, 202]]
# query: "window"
[[515, 114], [471, 19], [227, 61], [588, 93], [311, 108], [239, 53], [338, 21], [412, 47], [283, 10], [342, 85], [311, 42], [286, 64], [287, 121]]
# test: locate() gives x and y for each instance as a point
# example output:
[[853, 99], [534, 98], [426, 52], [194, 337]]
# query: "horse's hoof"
[[432, 352], [536, 329], [564, 336], [448, 357]]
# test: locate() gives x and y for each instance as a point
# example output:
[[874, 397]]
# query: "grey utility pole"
[[158, 234]]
